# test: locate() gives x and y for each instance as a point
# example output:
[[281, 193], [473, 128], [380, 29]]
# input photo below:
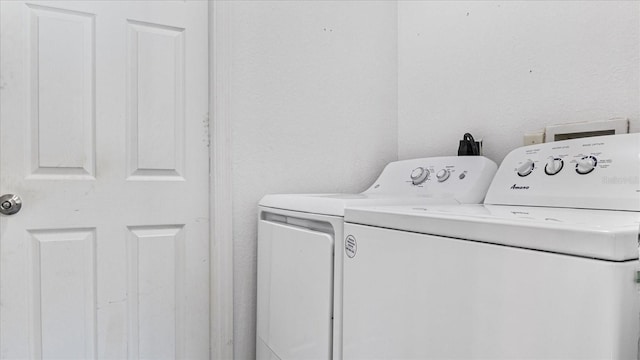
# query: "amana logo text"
[[516, 187]]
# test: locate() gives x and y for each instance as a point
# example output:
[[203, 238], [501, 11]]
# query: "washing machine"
[[300, 274], [547, 268]]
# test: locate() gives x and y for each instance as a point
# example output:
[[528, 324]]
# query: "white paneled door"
[[104, 136]]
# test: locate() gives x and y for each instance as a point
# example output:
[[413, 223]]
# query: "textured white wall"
[[324, 94], [313, 109], [499, 69]]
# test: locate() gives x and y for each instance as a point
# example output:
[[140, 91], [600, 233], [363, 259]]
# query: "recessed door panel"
[[156, 103], [156, 275], [63, 293], [61, 92]]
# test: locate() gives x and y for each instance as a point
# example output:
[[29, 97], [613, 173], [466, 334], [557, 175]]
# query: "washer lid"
[[600, 234], [334, 204]]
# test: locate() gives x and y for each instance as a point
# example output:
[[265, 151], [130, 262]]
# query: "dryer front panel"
[[295, 289], [415, 296]]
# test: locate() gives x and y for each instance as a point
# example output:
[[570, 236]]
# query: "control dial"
[[419, 175], [586, 165], [553, 166], [443, 175], [526, 168]]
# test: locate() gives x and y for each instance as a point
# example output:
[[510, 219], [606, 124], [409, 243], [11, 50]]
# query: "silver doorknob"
[[10, 204]]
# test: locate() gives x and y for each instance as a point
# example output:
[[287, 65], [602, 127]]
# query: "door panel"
[[295, 289], [103, 133]]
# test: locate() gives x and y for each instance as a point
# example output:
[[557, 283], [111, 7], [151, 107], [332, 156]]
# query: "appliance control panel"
[[465, 178], [600, 172]]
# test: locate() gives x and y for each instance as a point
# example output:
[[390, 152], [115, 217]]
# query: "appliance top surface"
[[335, 204], [602, 234], [436, 180]]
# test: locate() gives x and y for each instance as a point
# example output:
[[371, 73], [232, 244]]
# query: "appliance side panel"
[[338, 261]]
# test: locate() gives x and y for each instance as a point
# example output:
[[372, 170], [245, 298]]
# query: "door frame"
[[221, 206]]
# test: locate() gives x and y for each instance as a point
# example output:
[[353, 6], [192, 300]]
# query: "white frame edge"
[[221, 226]]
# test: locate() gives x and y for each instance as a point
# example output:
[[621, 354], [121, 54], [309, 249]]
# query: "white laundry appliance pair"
[[547, 268], [300, 250]]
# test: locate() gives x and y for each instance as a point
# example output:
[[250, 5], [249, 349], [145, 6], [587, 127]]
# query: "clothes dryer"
[[546, 269], [299, 273]]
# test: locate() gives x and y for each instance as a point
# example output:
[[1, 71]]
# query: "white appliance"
[[300, 277], [546, 269]]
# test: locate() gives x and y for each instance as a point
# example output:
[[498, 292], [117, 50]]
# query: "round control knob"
[[419, 175], [586, 165], [526, 168], [553, 166], [443, 175]]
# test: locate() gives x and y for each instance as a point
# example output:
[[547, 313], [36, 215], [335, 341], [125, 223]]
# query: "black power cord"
[[468, 146]]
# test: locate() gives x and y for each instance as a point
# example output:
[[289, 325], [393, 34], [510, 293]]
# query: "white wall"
[[499, 69], [312, 108], [323, 94]]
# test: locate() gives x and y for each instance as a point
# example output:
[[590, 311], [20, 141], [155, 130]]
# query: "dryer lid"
[[600, 234]]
